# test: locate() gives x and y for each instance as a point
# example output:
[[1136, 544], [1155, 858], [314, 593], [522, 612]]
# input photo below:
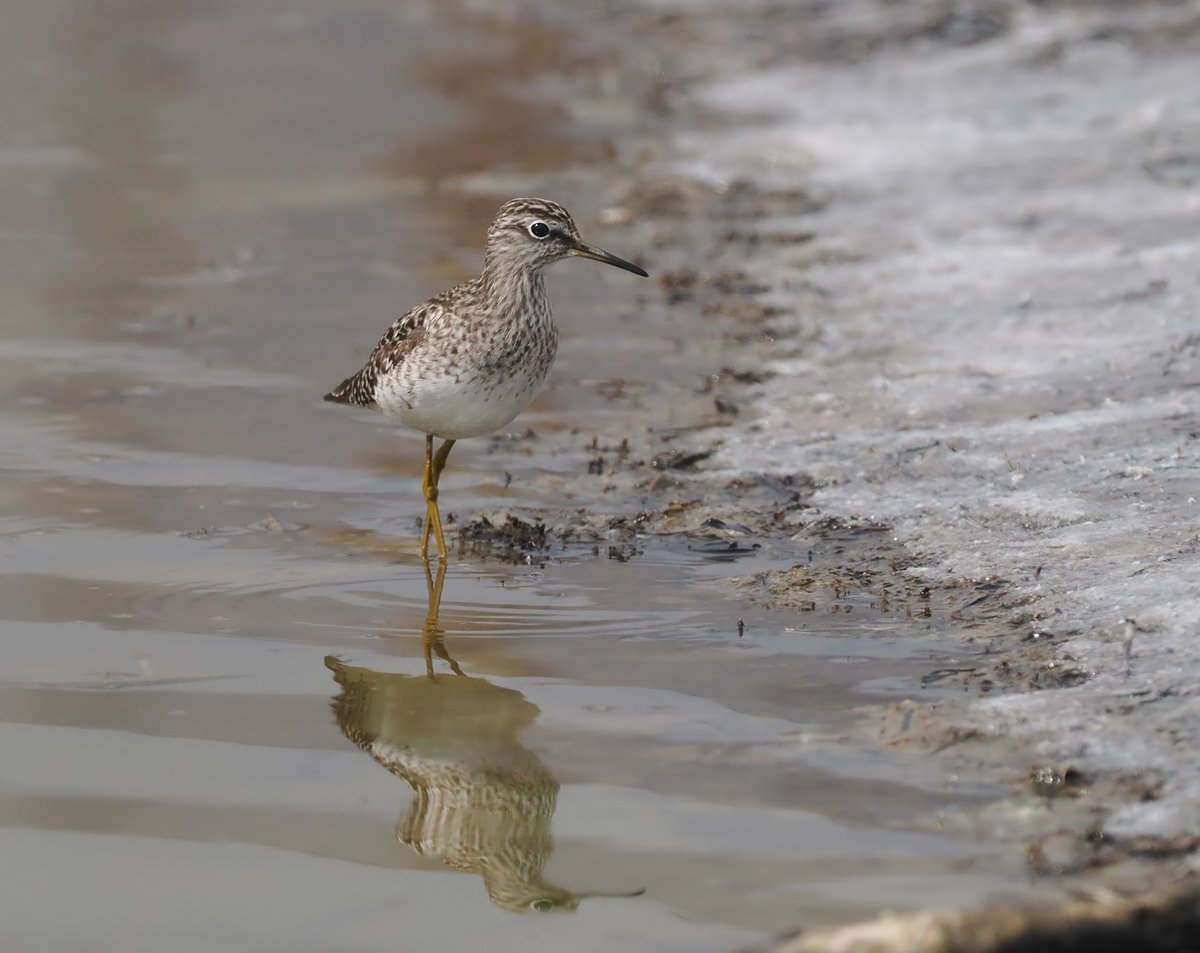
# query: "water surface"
[[217, 702]]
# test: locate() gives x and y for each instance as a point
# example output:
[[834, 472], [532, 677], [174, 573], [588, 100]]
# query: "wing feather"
[[405, 334]]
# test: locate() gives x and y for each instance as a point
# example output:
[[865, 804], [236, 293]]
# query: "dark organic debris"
[[1057, 675], [679, 459], [757, 376], [512, 533], [836, 527], [756, 238], [1155, 847], [722, 550], [940, 674], [622, 553], [717, 523]]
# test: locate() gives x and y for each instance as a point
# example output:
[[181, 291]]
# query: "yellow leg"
[[432, 636], [439, 460], [434, 465], [426, 484]]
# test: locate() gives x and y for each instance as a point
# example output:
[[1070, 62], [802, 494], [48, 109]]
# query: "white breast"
[[478, 392]]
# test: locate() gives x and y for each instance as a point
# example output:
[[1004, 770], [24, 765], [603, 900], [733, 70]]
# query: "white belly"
[[456, 408]]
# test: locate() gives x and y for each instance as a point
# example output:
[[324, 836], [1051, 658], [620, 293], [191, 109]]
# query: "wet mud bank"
[[934, 270]]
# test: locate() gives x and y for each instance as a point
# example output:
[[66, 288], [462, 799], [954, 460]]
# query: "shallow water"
[[212, 211]]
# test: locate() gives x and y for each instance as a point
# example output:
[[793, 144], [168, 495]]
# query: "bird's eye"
[[544, 904], [539, 230]]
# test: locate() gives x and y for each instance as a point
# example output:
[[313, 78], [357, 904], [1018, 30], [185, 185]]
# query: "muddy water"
[[216, 701]]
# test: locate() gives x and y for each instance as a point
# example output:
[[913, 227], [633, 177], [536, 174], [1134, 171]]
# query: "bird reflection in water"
[[483, 803]]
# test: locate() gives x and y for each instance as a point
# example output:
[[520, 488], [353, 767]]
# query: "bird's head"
[[532, 233]]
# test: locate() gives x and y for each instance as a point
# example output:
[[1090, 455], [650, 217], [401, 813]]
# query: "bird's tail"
[[356, 390]]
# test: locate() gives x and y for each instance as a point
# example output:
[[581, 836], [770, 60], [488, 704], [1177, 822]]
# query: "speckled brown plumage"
[[359, 388]]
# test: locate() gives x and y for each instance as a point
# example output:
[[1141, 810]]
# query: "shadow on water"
[[483, 803]]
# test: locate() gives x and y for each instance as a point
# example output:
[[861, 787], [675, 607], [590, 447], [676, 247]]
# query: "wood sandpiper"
[[470, 359]]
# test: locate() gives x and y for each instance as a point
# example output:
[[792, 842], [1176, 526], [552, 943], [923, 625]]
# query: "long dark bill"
[[584, 250]]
